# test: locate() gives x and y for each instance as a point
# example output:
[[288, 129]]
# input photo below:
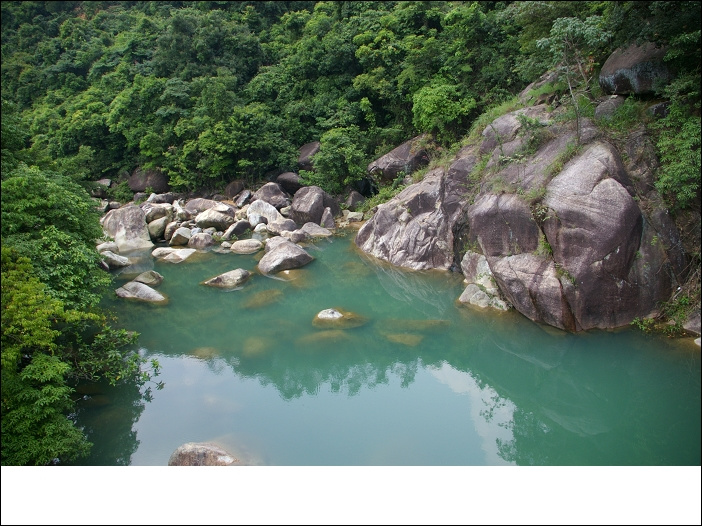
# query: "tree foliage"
[[53, 334]]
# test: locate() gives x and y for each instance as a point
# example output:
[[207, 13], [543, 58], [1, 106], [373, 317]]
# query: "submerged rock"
[[338, 319], [328, 336], [262, 298], [150, 278], [405, 338]]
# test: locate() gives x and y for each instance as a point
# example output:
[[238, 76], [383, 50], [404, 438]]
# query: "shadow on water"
[[601, 398]]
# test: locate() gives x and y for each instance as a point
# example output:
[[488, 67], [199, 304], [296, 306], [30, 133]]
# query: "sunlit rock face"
[[127, 227], [286, 255], [412, 229]]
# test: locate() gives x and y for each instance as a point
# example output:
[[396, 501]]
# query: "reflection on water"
[[423, 381]]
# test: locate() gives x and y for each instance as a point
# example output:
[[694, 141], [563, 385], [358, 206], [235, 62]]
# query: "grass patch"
[[558, 89], [385, 193]]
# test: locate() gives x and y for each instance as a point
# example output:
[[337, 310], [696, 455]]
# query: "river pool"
[[423, 381]]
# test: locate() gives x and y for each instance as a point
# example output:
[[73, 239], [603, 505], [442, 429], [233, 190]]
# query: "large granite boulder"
[[284, 255], [263, 209], [236, 229], [201, 241], [309, 203], [503, 225], [154, 211], [199, 204], [157, 228], [596, 232], [272, 194], [173, 255], [150, 278], [142, 179], [181, 236], [327, 220], [234, 188], [164, 198], [113, 260], [276, 228], [531, 283], [221, 217], [636, 69], [313, 230], [246, 246], [127, 227], [406, 158]]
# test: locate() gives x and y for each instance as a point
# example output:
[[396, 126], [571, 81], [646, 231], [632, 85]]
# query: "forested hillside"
[[209, 92]]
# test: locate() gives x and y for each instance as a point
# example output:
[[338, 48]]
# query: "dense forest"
[[213, 91]]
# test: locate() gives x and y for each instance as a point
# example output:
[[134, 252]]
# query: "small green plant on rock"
[[644, 324], [544, 248], [540, 213], [535, 133], [563, 273]]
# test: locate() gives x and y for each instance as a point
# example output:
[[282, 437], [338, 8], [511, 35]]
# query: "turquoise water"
[[424, 381]]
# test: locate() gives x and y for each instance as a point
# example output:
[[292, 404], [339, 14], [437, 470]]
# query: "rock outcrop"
[[415, 229], [559, 230]]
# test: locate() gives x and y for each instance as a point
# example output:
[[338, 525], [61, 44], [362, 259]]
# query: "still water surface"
[[425, 381]]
